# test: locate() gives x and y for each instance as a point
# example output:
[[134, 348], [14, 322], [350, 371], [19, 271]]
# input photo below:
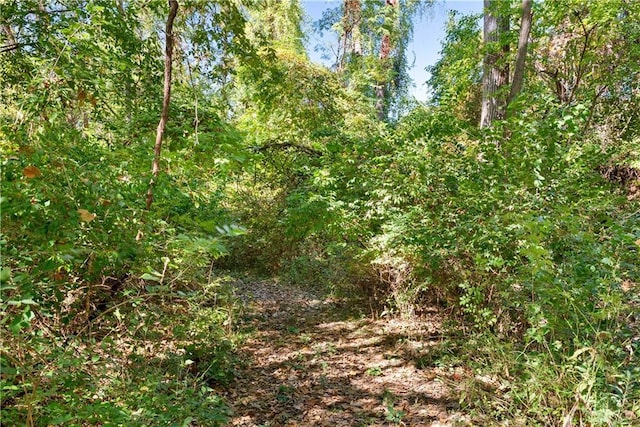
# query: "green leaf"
[[22, 321], [5, 274], [607, 261], [154, 276], [580, 351]]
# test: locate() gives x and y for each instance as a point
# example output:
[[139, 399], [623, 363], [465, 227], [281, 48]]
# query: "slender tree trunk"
[[356, 20], [521, 55], [503, 28], [385, 53], [494, 78], [168, 58], [350, 43]]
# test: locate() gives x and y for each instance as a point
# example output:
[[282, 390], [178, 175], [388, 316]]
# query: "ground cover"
[[318, 361]]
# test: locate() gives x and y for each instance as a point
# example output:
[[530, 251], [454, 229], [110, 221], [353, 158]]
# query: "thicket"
[[527, 232]]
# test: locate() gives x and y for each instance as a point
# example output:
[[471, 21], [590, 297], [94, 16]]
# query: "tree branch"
[[288, 144], [580, 70], [9, 47], [164, 117]]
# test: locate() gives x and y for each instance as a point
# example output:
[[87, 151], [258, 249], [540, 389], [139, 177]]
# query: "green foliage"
[[90, 281], [589, 59], [374, 371], [534, 245], [456, 77], [528, 232], [280, 22], [132, 375], [392, 414], [361, 60]]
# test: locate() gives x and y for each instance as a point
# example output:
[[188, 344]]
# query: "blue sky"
[[428, 34]]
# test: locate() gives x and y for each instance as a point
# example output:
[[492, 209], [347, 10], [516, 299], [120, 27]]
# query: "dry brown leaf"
[[31, 172], [82, 95], [86, 216], [627, 285], [330, 388]]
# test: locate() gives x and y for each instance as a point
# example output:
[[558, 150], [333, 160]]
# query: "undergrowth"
[[154, 356], [110, 314]]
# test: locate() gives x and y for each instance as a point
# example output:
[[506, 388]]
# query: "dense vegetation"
[[527, 231]]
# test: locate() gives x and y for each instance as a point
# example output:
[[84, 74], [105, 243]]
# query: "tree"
[[371, 56], [164, 116], [386, 47], [279, 21], [521, 55], [456, 79], [495, 71], [351, 38], [586, 54]]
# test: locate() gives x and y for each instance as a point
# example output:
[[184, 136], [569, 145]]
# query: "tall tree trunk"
[[168, 58], [521, 55], [494, 77], [385, 53], [350, 43]]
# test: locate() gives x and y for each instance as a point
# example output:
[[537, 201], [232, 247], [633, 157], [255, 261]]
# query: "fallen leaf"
[[31, 172], [86, 216], [627, 285]]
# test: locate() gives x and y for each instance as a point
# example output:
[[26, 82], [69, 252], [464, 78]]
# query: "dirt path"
[[317, 363]]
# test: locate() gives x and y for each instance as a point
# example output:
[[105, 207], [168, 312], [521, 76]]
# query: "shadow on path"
[[313, 362]]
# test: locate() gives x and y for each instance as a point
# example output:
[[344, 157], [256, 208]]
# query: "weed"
[[392, 414], [305, 338], [285, 393], [293, 330], [374, 371]]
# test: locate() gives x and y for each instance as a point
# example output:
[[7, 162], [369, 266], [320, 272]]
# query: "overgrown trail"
[[314, 362]]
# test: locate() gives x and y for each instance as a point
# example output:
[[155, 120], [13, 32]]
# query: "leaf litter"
[[313, 361]]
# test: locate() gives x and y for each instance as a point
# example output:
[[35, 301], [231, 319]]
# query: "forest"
[[201, 226]]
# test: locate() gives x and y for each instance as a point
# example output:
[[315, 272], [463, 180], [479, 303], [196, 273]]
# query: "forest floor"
[[311, 361]]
